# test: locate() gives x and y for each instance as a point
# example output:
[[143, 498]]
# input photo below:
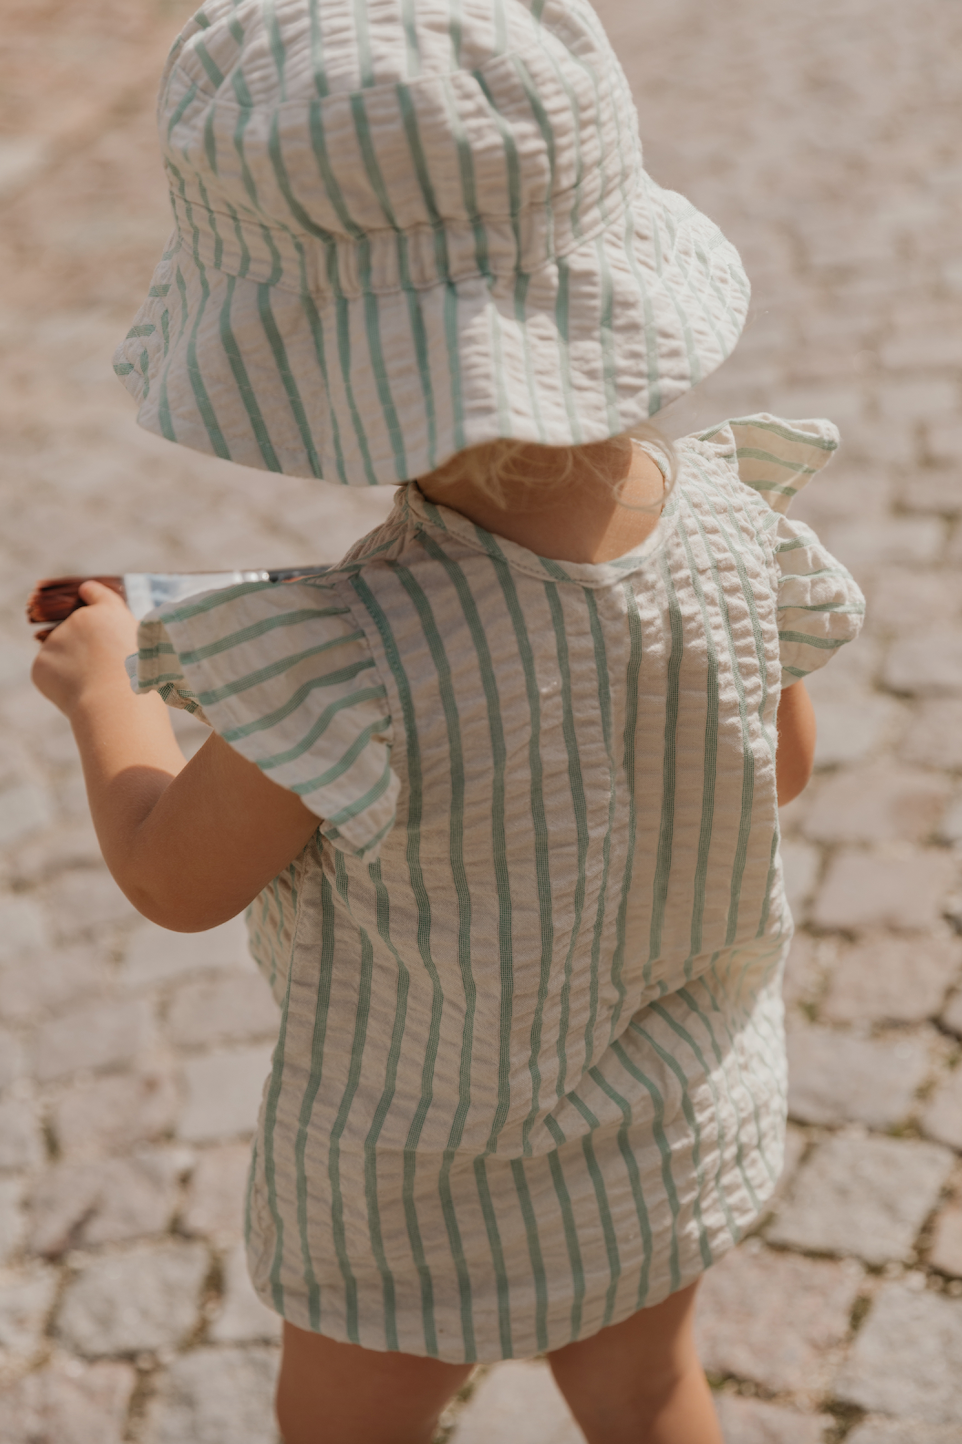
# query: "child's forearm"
[[796, 742], [129, 756]]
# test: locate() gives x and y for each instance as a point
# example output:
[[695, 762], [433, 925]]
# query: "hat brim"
[[379, 388]]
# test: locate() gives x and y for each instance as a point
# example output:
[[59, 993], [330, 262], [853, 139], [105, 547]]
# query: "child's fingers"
[[96, 594]]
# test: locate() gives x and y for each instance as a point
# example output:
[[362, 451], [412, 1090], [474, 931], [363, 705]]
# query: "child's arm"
[[189, 843], [796, 742]]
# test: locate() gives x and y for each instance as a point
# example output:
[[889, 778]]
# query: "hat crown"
[[359, 146]]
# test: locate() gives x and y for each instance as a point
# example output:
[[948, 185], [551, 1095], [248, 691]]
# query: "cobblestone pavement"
[[824, 139]]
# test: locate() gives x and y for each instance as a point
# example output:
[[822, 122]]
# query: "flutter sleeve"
[[820, 606], [282, 673]]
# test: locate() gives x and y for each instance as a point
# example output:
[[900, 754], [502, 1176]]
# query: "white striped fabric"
[[530, 1074], [409, 227]]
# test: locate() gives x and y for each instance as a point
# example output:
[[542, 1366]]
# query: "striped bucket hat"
[[405, 227]]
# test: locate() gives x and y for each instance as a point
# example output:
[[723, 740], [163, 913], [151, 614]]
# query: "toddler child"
[[499, 790]]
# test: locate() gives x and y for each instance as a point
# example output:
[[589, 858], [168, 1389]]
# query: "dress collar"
[[427, 515]]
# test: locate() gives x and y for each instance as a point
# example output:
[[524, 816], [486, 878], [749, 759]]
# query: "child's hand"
[[87, 651]]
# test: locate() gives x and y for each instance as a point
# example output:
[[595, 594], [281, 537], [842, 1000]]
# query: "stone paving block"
[[902, 1431], [223, 1093], [142, 1298], [945, 1253], [68, 1403], [934, 489], [108, 1115], [862, 1196], [12, 1221], [155, 955], [78, 1205], [242, 1318], [942, 1116], [881, 541], [834, 1077], [743, 1328], [871, 890], [26, 1297], [216, 1396], [952, 1014], [896, 979], [750, 1421], [877, 803], [905, 600], [800, 864], [24, 809], [905, 1360], [803, 970], [517, 1400], [849, 731], [950, 827], [928, 664], [215, 1194], [23, 928], [48, 981], [934, 736], [87, 899], [104, 1034], [221, 1011], [12, 1063], [20, 1142]]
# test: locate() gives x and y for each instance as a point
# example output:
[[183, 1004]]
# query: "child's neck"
[[580, 522]]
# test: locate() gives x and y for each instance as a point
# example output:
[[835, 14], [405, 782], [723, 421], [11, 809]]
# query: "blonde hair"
[[511, 472]]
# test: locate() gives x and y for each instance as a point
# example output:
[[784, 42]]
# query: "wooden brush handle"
[[54, 599]]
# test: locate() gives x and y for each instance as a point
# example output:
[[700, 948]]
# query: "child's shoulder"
[[771, 457]]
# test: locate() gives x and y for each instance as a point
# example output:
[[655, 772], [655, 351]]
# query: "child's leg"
[[331, 1393], [640, 1382]]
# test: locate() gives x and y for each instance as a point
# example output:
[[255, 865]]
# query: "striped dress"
[[530, 1073]]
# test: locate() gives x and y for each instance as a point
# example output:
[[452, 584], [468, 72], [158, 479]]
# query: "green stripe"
[[320, 726], [423, 904], [479, 640], [286, 374], [339, 768], [361, 1015], [321, 1013], [318, 66], [204, 406], [327, 679], [246, 391], [383, 916], [534, 1253], [681, 1032], [277, 669], [827, 644], [688, 998], [562, 317], [270, 1176], [497, 1254], [412, 47], [632, 677], [579, 1285], [277, 45], [580, 809], [604, 711], [213, 70], [690, 1118], [709, 767], [666, 827], [468, 190], [604, 1212], [539, 834], [634, 1177], [664, 1150], [253, 630]]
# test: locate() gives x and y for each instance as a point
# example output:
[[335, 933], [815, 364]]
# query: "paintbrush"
[[53, 600]]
